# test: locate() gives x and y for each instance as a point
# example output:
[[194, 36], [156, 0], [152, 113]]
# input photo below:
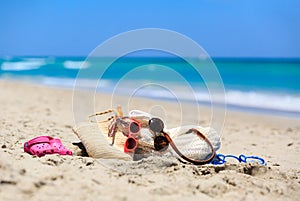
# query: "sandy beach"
[[28, 111]]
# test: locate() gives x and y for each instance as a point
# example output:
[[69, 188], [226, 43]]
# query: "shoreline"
[[30, 110], [230, 107]]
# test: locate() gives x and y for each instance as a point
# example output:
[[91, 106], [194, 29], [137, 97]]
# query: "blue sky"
[[224, 28]]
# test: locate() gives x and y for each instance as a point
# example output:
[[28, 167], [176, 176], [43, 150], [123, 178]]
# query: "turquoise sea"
[[261, 85]]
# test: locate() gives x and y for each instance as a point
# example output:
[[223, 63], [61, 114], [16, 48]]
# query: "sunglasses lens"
[[134, 127], [156, 125], [161, 143], [130, 145]]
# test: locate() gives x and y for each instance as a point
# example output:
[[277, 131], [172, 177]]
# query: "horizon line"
[[154, 57]]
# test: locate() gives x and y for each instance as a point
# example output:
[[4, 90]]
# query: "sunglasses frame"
[[132, 137]]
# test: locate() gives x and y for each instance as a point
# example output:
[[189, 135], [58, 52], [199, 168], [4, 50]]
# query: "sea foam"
[[272, 101], [76, 64], [22, 65]]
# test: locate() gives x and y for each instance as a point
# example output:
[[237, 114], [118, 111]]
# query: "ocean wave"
[[261, 101], [241, 99], [70, 83], [76, 64], [287, 102], [22, 65], [281, 102]]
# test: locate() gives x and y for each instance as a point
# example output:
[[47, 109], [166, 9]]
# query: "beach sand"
[[28, 111]]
